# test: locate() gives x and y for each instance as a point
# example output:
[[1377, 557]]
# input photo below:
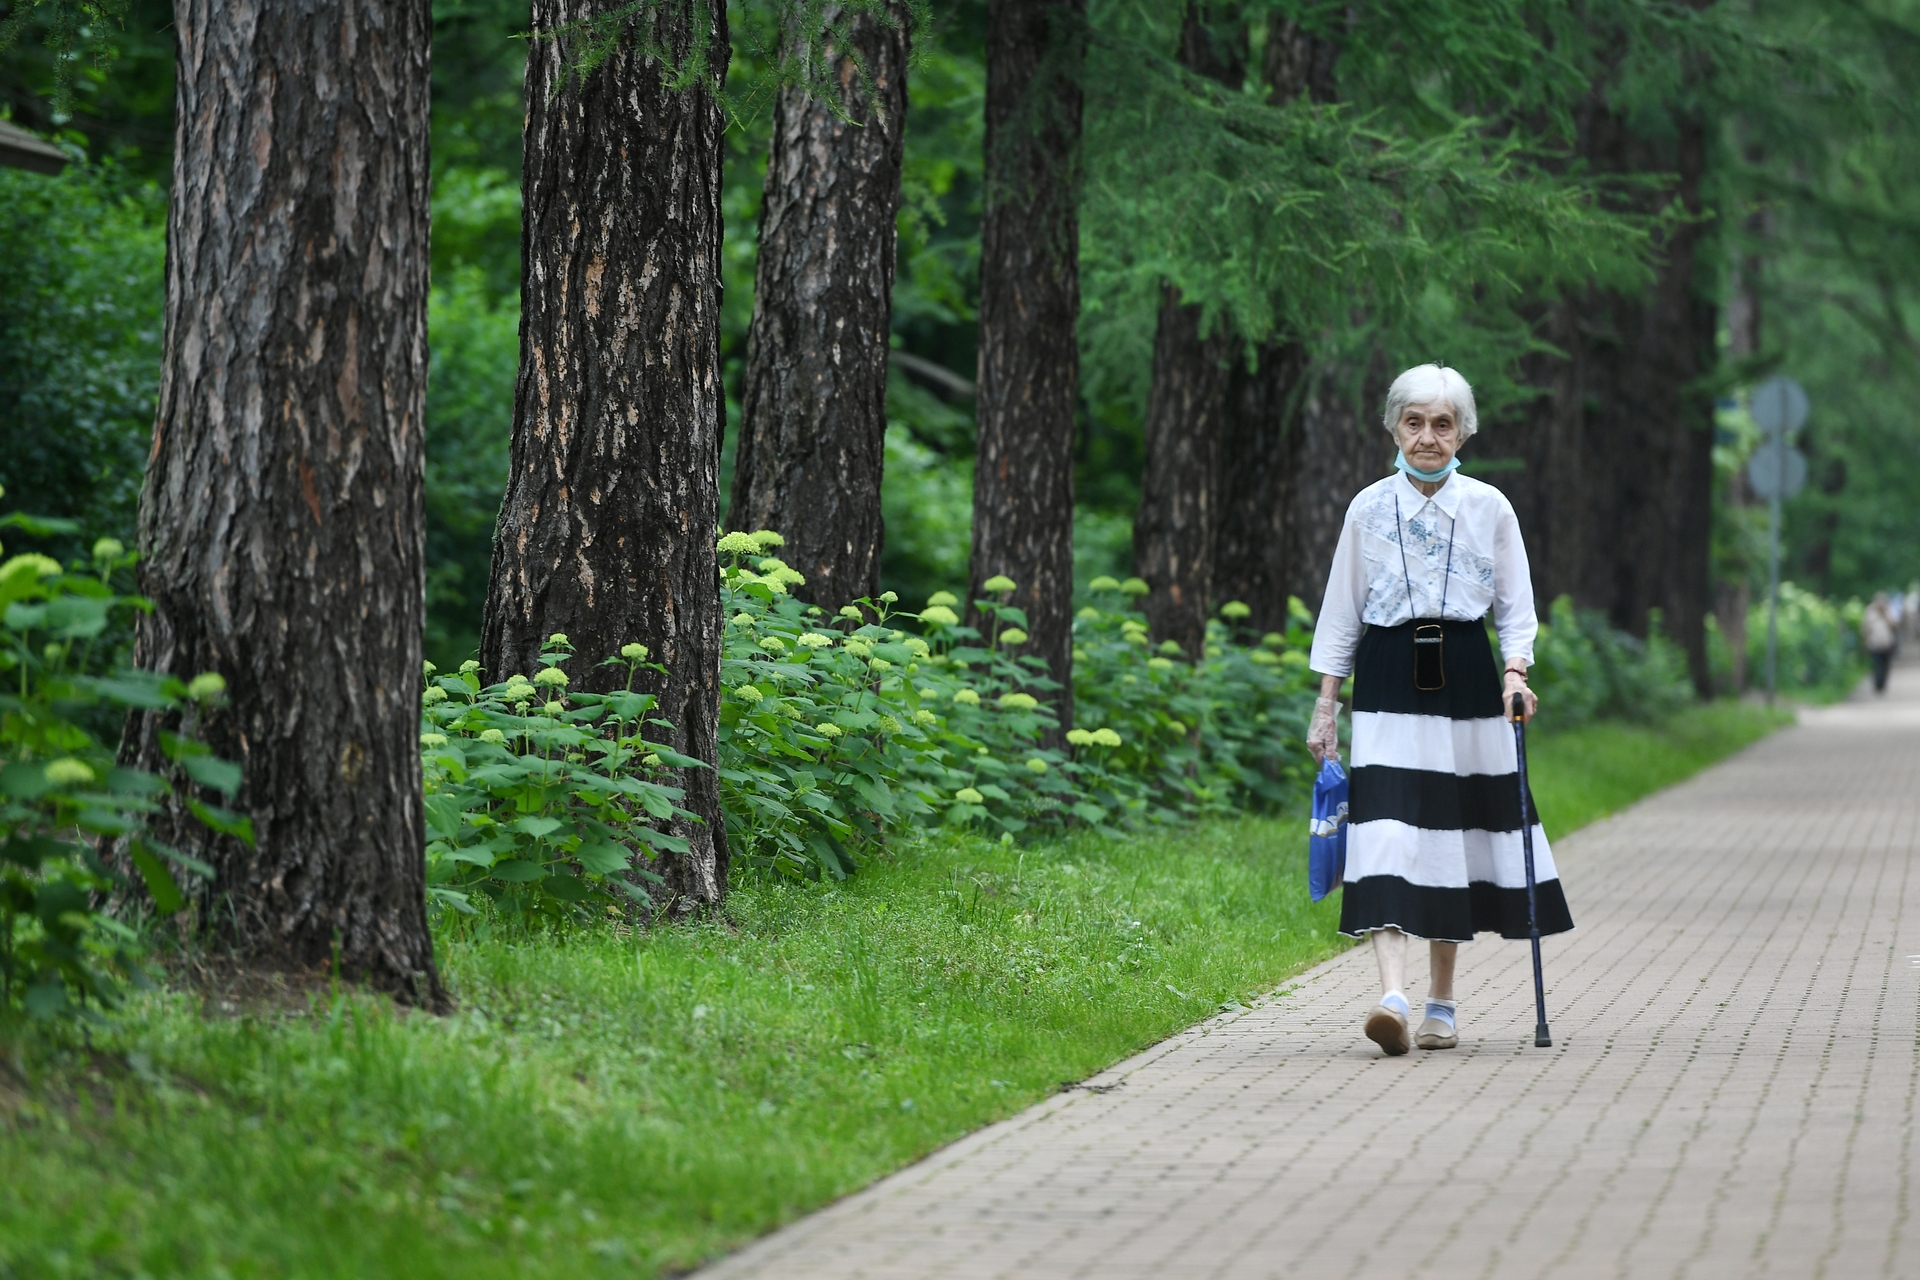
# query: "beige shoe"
[[1386, 1028], [1435, 1034]]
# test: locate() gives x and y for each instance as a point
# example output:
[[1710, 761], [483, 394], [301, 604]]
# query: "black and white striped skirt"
[[1433, 828]]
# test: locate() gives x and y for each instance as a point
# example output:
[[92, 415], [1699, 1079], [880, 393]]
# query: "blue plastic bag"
[[1327, 847]]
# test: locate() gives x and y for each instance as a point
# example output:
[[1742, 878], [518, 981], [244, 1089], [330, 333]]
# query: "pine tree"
[[607, 530], [281, 525], [1029, 308], [1176, 524], [814, 408]]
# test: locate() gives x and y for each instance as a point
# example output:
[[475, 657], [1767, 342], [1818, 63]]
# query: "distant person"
[[1433, 834], [1879, 636]]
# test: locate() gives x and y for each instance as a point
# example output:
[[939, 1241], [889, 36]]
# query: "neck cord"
[[1446, 575]]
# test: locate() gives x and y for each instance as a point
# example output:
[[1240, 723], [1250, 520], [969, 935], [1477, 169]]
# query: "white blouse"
[[1368, 585]]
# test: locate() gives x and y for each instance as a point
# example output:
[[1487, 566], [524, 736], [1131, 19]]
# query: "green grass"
[[1582, 775], [626, 1106], [621, 1105]]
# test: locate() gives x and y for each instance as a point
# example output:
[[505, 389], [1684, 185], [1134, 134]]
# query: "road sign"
[[1778, 406], [1777, 470]]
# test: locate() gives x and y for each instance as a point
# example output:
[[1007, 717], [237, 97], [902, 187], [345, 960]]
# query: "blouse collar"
[[1447, 498]]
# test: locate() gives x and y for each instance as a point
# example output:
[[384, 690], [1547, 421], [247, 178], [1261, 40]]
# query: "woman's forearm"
[[1330, 686]]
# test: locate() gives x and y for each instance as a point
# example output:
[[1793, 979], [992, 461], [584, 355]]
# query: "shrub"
[[838, 731], [81, 263], [1585, 669], [539, 801], [1818, 650], [62, 794]]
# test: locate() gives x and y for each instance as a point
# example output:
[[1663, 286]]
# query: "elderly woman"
[[1433, 834]]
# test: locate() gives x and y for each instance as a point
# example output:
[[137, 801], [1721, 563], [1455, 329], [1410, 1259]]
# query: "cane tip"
[[1542, 1038]]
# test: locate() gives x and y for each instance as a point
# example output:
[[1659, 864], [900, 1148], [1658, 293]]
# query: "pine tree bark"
[[1029, 311], [814, 406], [1258, 549], [1178, 518], [1260, 449], [607, 529], [1343, 449], [1616, 499], [1647, 452], [281, 522]]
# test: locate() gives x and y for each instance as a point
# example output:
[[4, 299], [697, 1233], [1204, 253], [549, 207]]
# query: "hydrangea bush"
[[542, 804], [841, 731], [65, 800]]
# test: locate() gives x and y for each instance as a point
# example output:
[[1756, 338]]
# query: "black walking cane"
[[1542, 1038]]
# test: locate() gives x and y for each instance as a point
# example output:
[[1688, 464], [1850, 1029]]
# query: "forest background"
[[1614, 215], [1804, 262]]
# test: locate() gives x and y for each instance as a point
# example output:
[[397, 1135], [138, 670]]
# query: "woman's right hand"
[[1323, 733]]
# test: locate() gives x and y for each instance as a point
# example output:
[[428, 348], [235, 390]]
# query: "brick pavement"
[[1730, 1092]]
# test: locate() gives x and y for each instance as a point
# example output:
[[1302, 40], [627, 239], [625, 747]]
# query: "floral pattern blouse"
[[1371, 585]]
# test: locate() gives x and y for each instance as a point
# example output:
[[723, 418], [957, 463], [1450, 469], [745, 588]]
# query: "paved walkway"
[[1730, 1092]]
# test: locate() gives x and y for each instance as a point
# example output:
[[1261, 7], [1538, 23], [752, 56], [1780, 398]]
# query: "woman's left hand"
[[1516, 682]]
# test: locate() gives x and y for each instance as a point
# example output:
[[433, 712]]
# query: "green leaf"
[[177, 748], [31, 851], [39, 526], [24, 780], [211, 771], [519, 871], [443, 816], [71, 617], [225, 821], [160, 883], [145, 690], [178, 858], [566, 888], [603, 857], [537, 826], [452, 898]]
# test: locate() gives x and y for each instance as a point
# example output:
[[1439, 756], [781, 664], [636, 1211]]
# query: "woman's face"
[[1429, 434]]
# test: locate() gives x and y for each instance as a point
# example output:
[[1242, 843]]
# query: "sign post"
[[1776, 471]]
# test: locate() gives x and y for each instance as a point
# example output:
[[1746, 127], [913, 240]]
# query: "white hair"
[[1426, 383]]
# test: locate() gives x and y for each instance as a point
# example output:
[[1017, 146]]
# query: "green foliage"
[[1818, 655], [1198, 739], [792, 40], [1584, 669], [540, 801], [63, 796], [81, 257], [71, 28], [839, 733], [630, 1104], [475, 337]]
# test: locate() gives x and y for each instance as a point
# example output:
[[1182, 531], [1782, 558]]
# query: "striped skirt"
[[1433, 828]]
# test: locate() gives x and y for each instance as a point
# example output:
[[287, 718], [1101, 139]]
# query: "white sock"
[[1443, 1010], [1397, 1001]]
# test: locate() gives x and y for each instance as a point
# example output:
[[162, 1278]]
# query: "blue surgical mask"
[[1400, 462]]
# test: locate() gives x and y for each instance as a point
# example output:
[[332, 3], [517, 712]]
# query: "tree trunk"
[[607, 529], [1260, 540], [1261, 449], [1178, 517], [1649, 425], [1029, 312], [814, 409], [1343, 449], [281, 523]]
